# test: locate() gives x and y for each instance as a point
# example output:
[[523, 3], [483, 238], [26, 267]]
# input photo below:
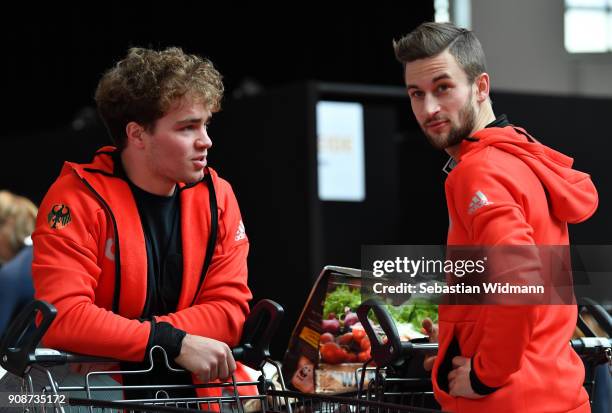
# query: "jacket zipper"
[[212, 238]]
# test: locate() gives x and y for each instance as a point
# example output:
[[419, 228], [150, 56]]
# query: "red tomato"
[[364, 356], [352, 358], [332, 353], [365, 344], [345, 339], [358, 334], [326, 338]]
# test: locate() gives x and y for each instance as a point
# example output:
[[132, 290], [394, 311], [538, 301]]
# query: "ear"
[[482, 87], [135, 135]]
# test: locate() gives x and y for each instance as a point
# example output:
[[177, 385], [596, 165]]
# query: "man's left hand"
[[459, 379]]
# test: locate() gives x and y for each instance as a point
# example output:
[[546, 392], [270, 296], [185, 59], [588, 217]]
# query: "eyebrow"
[[434, 80], [192, 120]]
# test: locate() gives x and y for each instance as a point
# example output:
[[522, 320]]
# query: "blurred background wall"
[[525, 42]]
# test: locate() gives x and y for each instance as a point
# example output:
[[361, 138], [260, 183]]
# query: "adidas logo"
[[478, 201], [240, 233]]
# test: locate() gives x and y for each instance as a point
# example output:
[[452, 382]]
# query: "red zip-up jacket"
[[508, 189], [89, 245]]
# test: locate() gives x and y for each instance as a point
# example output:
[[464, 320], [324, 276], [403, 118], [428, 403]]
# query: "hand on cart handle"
[[207, 358], [211, 359], [18, 348]]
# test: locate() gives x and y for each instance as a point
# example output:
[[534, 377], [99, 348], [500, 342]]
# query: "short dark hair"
[[142, 87], [430, 39]]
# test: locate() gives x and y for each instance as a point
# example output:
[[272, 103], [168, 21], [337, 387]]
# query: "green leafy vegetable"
[[414, 311], [342, 296]]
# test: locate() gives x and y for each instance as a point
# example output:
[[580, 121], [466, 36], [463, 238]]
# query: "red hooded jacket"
[[89, 243], [508, 189]]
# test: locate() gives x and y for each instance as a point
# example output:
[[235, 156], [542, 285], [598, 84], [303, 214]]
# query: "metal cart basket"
[[41, 390]]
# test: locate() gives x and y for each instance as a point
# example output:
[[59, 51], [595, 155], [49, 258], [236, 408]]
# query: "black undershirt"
[[500, 122], [161, 224], [160, 218]]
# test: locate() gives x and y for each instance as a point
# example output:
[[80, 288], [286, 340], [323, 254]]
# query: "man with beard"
[[505, 189]]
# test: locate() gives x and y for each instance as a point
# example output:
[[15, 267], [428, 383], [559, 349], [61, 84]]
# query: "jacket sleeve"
[[221, 308], [490, 208], [66, 274]]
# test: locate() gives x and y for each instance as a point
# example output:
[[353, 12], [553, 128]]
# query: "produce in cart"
[[343, 344], [344, 338]]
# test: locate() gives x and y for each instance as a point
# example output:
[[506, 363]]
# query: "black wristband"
[[478, 386], [169, 338]]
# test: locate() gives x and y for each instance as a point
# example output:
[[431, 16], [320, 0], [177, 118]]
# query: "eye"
[[442, 88], [416, 94]]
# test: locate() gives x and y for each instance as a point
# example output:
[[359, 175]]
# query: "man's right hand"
[[206, 358], [431, 330]]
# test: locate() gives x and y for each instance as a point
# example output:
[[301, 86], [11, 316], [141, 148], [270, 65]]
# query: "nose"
[[203, 141], [431, 105]]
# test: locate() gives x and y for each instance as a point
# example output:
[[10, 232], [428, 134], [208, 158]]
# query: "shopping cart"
[[595, 351], [40, 390], [397, 361], [20, 356], [399, 374]]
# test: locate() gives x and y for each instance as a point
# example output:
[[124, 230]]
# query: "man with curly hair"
[[145, 245]]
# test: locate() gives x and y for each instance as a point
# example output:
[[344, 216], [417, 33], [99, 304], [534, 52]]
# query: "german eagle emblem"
[[59, 216]]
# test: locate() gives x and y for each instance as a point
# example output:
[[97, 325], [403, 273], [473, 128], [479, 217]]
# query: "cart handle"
[[18, 348], [19, 342], [258, 331], [393, 350], [383, 354], [585, 346], [597, 350], [599, 314]]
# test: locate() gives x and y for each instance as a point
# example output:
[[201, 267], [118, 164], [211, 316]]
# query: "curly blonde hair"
[[17, 220], [143, 86]]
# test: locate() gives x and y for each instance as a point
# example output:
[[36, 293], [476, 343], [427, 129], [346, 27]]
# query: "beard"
[[467, 120]]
